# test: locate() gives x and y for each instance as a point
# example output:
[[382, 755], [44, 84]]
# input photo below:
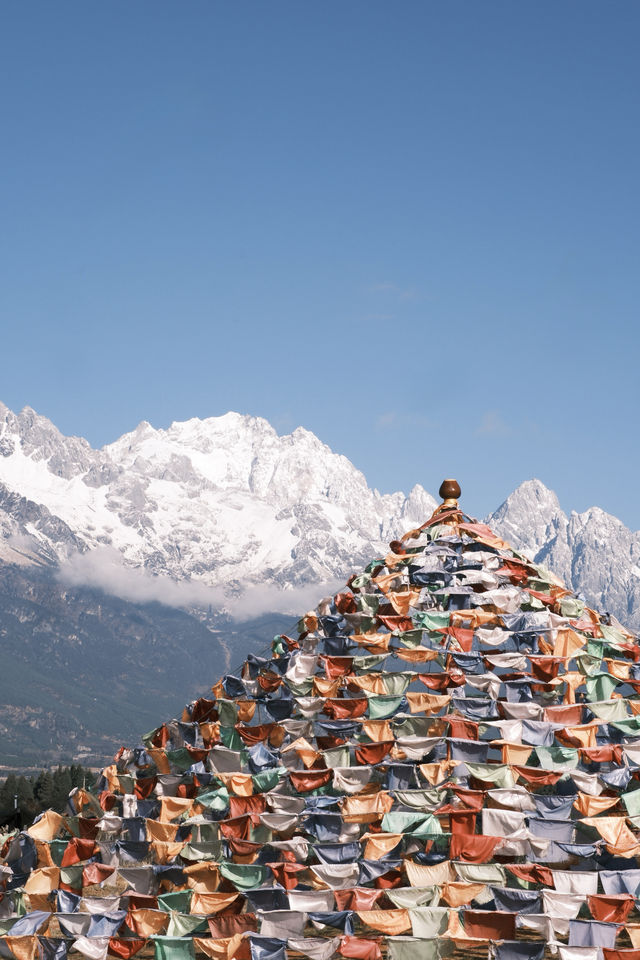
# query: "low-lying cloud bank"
[[103, 568]]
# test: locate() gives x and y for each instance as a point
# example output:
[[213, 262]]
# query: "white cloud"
[[392, 419], [492, 425], [267, 598], [386, 420], [103, 568], [396, 291]]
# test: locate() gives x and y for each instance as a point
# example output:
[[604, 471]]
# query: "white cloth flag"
[[562, 904], [509, 824], [93, 947], [312, 901], [315, 947], [579, 953], [549, 928], [572, 881], [302, 667], [282, 923], [351, 779], [338, 876]]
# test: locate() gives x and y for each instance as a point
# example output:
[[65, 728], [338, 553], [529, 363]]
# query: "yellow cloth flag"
[[47, 827]]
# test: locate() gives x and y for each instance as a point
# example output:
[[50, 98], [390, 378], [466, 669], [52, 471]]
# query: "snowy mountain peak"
[[226, 500], [592, 552], [530, 517], [216, 500]]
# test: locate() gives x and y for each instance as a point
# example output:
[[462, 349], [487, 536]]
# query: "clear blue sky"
[[410, 227]]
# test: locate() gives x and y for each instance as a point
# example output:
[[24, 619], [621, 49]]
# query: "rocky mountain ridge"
[[217, 501], [226, 501], [593, 552]]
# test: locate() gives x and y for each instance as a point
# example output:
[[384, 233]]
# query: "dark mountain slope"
[[82, 671]]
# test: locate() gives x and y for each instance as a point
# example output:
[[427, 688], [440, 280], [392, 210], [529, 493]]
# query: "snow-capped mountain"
[[226, 501], [592, 552], [213, 501]]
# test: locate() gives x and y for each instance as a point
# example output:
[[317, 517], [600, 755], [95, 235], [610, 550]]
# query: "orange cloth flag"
[[166, 852], [580, 736], [43, 881], [23, 948], [380, 844], [210, 731], [44, 854], [246, 710], [374, 642], [159, 757], [96, 873], [345, 708], [532, 873], [417, 655], [202, 877], [610, 909], [125, 948], [390, 922], [617, 835], [472, 848], [367, 808], [459, 893], [226, 925], [590, 806], [307, 753], [208, 903], [620, 669], [542, 778], [489, 924], [357, 898], [161, 831], [378, 730], [76, 851], [311, 780], [573, 680], [427, 702], [371, 682], [146, 923], [357, 948], [567, 643], [240, 806], [513, 752], [564, 713], [367, 753], [435, 773], [173, 807], [239, 783], [218, 949], [403, 600], [326, 688], [474, 618]]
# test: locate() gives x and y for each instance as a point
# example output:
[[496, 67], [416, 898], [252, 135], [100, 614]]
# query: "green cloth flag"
[[244, 876], [179, 901], [173, 948]]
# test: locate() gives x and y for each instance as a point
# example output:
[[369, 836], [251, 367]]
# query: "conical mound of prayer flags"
[[445, 758]]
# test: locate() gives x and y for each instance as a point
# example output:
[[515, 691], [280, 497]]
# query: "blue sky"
[[410, 227]]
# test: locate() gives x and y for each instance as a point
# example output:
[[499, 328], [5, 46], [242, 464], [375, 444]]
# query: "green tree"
[[62, 787], [7, 792], [27, 805], [43, 789]]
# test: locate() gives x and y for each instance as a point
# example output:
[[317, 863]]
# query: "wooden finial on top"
[[450, 491]]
